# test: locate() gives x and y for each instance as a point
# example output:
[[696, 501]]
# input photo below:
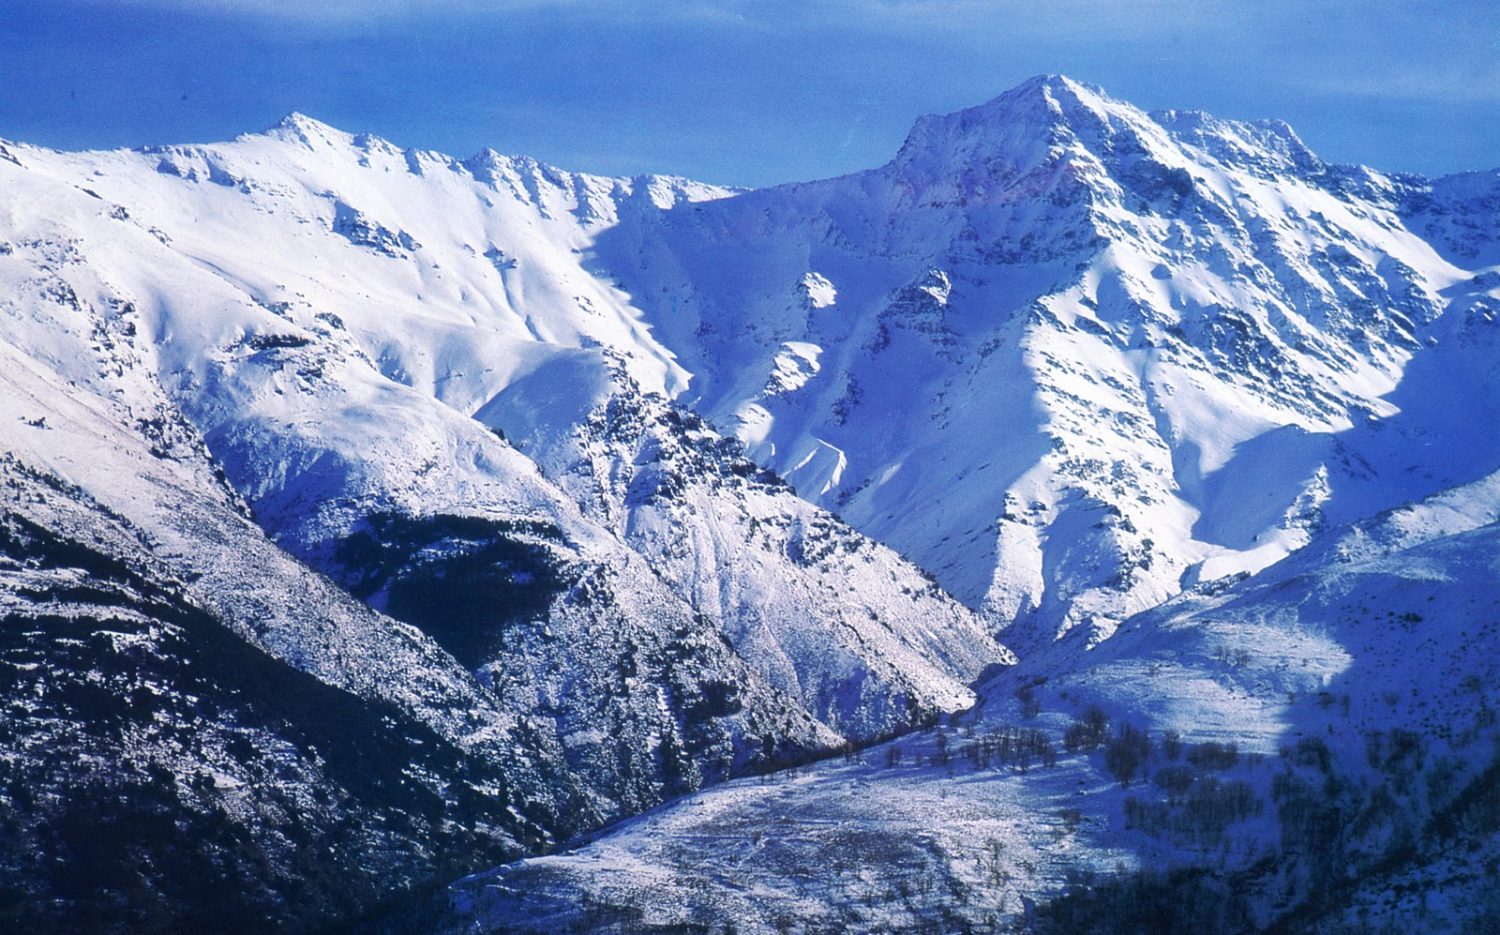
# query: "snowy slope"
[[1104, 358], [188, 708], [1109, 353], [388, 490], [1334, 765], [136, 387], [354, 304], [263, 361], [869, 644], [1093, 323]]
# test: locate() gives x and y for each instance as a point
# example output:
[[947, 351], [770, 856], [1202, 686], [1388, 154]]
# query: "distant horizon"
[[735, 93]]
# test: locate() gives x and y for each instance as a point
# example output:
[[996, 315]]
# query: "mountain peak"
[[1034, 122], [1054, 85], [296, 120], [1020, 128], [1053, 98], [300, 128]]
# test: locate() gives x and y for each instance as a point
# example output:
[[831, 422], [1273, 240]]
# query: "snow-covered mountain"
[[565, 495], [362, 314], [1072, 357], [866, 641], [244, 367], [1187, 349]]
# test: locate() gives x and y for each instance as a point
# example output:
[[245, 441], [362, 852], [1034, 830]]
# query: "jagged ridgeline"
[[372, 517]]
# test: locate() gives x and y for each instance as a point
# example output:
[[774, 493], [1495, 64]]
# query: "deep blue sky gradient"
[[737, 91]]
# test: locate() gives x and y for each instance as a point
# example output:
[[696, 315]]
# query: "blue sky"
[[737, 91]]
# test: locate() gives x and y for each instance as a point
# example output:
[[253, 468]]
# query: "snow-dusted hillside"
[[823, 612], [1312, 749], [181, 695]]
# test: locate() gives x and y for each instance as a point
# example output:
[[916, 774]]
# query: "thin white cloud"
[[1476, 86], [1020, 15], [1328, 61], [356, 10]]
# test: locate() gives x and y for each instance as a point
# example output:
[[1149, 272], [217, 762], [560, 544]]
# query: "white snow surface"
[[1113, 354], [349, 325]]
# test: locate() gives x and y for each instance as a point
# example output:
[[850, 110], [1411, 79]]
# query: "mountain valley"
[[1085, 519]]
